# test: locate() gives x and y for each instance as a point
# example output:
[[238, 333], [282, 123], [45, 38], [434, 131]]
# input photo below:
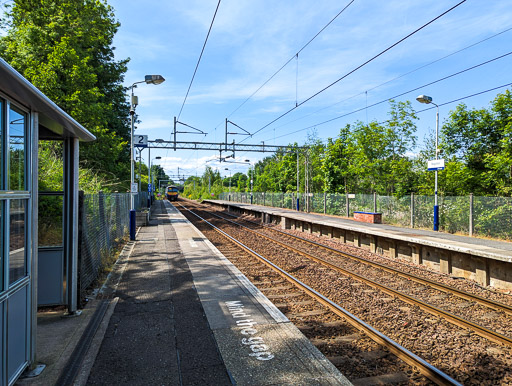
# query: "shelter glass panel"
[[2, 133], [17, 258], [50, 221], [51, 166], [17, 129], [2, 203]]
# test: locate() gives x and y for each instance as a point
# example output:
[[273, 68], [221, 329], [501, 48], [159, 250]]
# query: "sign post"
[[436, 165]]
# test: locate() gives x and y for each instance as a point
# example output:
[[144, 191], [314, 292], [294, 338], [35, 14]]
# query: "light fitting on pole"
[[424, 99], [154, 79]]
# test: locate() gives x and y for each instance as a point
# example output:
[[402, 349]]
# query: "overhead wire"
[[289, 60], [384, 83], [417, 111], [199, 60], [397, 77], [361, 65], [404, 93], [197, 66]]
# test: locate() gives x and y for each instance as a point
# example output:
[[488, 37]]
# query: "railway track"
[[497, 329], [429, 336]]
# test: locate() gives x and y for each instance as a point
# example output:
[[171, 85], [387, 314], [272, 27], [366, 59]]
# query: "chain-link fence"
[[479, 216], [103, 226]]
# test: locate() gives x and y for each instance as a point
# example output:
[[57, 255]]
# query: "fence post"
[[412, 210], [80, 298], [118, 222], [374, 202], [348, 206], [325, 202], [264, 199], [471, 214]]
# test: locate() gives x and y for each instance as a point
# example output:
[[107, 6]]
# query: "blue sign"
[[150, 188]]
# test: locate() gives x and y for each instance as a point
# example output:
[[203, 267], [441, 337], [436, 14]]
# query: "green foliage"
[[51, 169], [480, 141], [210, 185], [65, 49]]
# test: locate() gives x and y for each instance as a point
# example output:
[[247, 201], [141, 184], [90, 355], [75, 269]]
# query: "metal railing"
[[469, 215]]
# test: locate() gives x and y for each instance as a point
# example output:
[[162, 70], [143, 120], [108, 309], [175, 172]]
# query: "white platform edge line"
[[273, 311]]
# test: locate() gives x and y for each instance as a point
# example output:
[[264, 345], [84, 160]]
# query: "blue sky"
[[251, 40]]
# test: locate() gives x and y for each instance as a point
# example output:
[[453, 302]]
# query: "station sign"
[[140, 140], [436, 164], [351, 195]]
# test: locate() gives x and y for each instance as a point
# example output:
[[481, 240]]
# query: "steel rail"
[[425, 368], [456, 320], [497, 306]]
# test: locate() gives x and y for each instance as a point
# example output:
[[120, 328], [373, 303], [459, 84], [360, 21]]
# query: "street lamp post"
[[251, 175], [148, 79], [150, 182], [427, 100], [229, 195]]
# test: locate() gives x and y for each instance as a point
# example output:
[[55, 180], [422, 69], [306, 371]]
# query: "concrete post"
[[412, 210], [471, 214]]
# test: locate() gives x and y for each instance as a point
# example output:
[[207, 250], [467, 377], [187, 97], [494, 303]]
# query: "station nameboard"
[[436, 164]]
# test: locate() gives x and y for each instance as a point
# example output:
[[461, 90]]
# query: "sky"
[[250, 40]]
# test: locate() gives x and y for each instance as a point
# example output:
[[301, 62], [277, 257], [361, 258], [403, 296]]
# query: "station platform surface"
[[494, 249], [184, 315]]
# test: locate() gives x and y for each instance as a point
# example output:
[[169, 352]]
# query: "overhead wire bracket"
[[197, 131]]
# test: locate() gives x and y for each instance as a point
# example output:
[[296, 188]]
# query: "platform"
[[487, 262]]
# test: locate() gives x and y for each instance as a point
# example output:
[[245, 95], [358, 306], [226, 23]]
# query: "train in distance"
[[171, 193]]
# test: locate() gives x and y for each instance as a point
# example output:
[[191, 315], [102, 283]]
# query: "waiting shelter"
[[32, 274]]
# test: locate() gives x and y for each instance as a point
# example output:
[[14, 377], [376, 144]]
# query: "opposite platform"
[[258, 344], [485, 261]]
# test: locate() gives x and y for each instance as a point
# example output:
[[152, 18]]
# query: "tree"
[[65, 49], [480, 139]]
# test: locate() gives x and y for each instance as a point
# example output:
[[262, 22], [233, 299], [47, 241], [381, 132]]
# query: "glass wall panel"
[[51, 166], [2, 203], [2, 123], [2, 132], [17, 221], [50, 221], [17, 124]]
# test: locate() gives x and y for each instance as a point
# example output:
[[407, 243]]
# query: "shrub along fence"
[[470, 215], [103, 227]]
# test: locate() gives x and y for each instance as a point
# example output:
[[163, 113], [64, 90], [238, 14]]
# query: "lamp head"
[[158, 157], [154, 79], [424, 99]]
